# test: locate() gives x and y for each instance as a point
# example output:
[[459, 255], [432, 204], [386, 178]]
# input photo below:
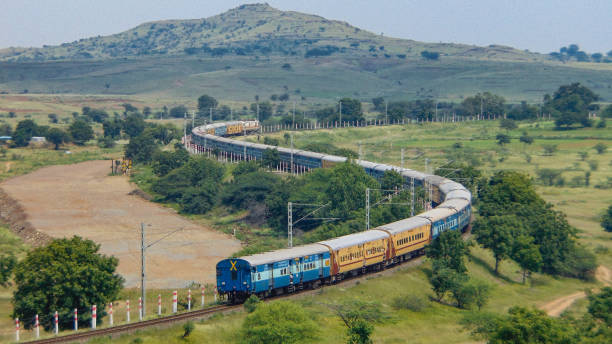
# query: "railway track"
[[126, 328]]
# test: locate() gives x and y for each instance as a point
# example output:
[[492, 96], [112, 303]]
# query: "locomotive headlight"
[[222, 283]]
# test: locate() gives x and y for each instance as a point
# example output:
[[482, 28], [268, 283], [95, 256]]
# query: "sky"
[[537, 25]]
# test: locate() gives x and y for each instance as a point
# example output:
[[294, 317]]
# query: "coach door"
[[271, 280], [320, 265]]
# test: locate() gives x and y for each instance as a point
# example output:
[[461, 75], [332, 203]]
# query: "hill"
[[252, 30], [258, 50]]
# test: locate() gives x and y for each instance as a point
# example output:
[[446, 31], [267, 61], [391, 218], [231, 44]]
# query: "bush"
[[106, 142], [251, 303], [281, 322], [410, 302], [188, 328], [600, 148]]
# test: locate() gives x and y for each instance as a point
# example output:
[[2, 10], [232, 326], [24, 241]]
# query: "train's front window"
[[234, 275]]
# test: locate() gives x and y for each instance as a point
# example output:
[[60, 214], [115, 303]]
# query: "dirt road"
[[556, 307], [83, 200]]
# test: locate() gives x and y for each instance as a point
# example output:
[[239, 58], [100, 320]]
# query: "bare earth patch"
[[81, 199]]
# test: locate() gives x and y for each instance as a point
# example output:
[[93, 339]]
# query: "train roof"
[[457, 204], [459, 194], [404, 225], [285, 254], [334, 158], [354, 239], [413, 174], [437, 213], [436, 180], [451, 186]]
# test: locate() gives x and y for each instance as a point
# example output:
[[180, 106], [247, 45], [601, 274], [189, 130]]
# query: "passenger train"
[[326, 262]]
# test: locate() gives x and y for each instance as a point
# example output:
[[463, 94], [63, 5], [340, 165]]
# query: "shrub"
[[251, 303], [188, 328], [410, 302], [600, 148]]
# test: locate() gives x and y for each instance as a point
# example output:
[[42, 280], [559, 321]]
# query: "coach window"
[[234, 275], [258, 276]]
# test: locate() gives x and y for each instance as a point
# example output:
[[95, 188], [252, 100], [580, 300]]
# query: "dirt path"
[[83, 200], [556, 307]]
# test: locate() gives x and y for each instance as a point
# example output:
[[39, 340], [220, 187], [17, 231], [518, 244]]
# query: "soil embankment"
[[81, 199]]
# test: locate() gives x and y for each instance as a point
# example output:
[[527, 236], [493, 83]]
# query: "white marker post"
[[56, 323], [140, 309], [94, 315], [174, 302], [215, 294], [16, 329], [127, 309], [202, 297], [189, 300], [76, 320], [110, 313], [159, 304], [37, 326]]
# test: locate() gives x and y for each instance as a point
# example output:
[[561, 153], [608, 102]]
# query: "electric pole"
[[290, 224], [211, 115], [367, 208], [142, 266], [341, 113], [402, 159], [291, 153], [386, 115], [412, 196], [293, 117]]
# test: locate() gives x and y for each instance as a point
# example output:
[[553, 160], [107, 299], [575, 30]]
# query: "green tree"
[[112, 128], [525, 138], [56, 136], [522, 112], [549, 149], [346, 188], [163, 161], [205, 103], [180, 111], [270, 158], [360, 332], [507, 124], [280, 322], [200, 199], [188, 329], [497, 233], [469, 292], [64, 275], [359, 318], [24, 131], [606, 220], [141, 148], [549, 176], [523, 326], [600, 305], [245, 167], [7, 265], [351, 110], [81, 132], [600, 148], [265, 110], [134, 124], [444, 279], [607, 112], [450, 249], [485, 103], [570, 105], [249, 188], [391, 180], [526, 254], [502, 139]]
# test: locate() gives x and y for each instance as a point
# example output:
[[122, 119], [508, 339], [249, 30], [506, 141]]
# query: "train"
[[330, 261]]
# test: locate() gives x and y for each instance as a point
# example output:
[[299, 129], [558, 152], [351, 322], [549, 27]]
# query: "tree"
[[360, 332], [24, 131], [64, 275], [483, 103], [249, 188], [526, 254], [522, 112], [7, 265], [141, 148], [430, 55], [502, 139], [378, 103], [507, 124], [497, 234], [469, 292], [346, 188], [280, 322], [81, 132], [600, 148], [607, 112], [265, 110], [205, 103], [351, 109], [163, 161], [549, 175], [525, 138], [56, 136], [112, 128], [449, 248], [549, 149], [200, 199], [606, 220], [359, 318], [570, 105], [444, 279], [270, 158], [600, 305], [391, 180], [134, 124], [524, 326], [179, 112]]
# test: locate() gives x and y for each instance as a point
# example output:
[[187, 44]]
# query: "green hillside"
[[258, 50]]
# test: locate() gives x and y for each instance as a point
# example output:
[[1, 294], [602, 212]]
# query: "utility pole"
[[341, 113], [426, 165], [367, 208], [192, 120], [360, 152], [411, 196], [291, 153], [402, 158], [386, 115], [142, 266], [231, 114], [185, 129], [290, 224], [210, 115], [293, 117], [481, 107]]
